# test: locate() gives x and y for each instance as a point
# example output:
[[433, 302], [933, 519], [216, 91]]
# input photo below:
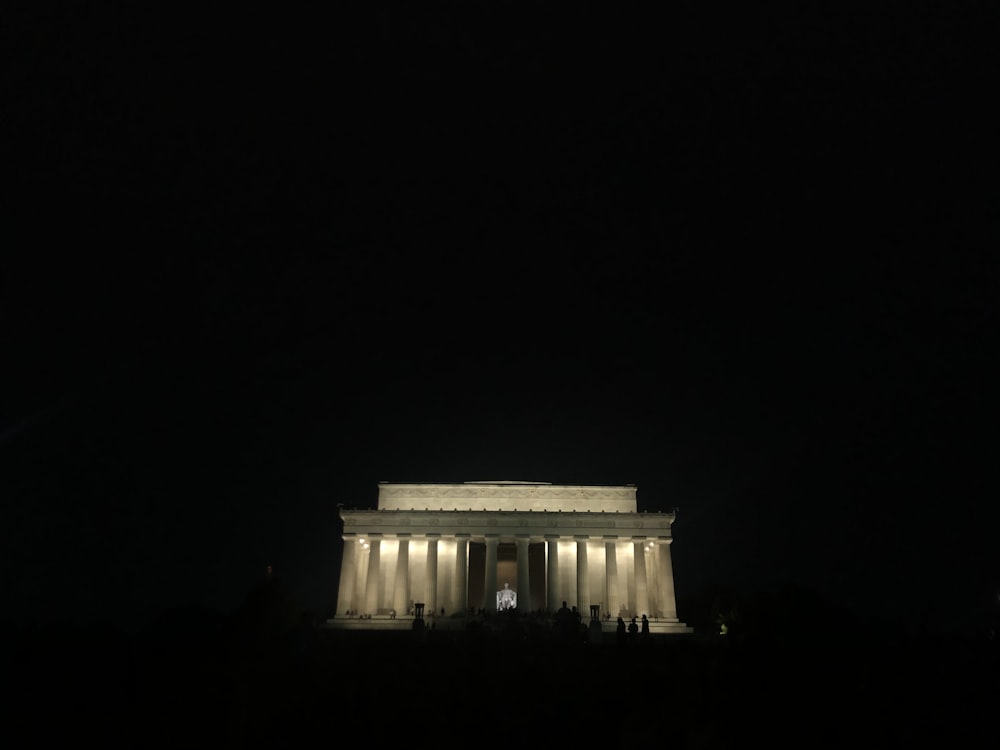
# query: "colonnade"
[[632, 576]]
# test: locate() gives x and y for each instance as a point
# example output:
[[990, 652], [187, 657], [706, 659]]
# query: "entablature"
[[507, 525]]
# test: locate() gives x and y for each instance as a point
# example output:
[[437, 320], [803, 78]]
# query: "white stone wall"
[[507, 497]]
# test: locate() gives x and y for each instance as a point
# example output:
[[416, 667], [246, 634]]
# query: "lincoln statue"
[[506, 599]]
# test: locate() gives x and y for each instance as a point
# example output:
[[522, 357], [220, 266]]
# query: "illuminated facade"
[[444, 551]]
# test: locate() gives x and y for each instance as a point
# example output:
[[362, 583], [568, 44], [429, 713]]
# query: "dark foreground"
[[306, 686]]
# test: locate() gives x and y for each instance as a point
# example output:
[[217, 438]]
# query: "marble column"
[[582, 578], [613, 601], [431, 575], [461, 597], [668, 603], [361, 583], [552, 600], [490, 588], [373, 584], [641, 592], [653, 581], [402, 589], [523, 579], [348, 574]]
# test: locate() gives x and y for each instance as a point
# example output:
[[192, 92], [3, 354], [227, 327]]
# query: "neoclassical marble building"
[[445, 551]]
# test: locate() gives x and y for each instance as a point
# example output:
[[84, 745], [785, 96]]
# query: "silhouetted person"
[[594, 631], [565, 622], [645, 627], [633, 630], [620, 632]]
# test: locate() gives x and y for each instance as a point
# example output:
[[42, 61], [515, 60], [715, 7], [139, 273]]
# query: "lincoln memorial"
[[449, 553]]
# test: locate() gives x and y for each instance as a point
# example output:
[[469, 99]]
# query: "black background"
[[258, 260]]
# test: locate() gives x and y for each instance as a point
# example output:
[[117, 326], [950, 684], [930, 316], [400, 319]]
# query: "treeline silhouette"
[[790, 669]]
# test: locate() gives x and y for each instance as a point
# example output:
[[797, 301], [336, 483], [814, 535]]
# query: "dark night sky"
[[258, 261]]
